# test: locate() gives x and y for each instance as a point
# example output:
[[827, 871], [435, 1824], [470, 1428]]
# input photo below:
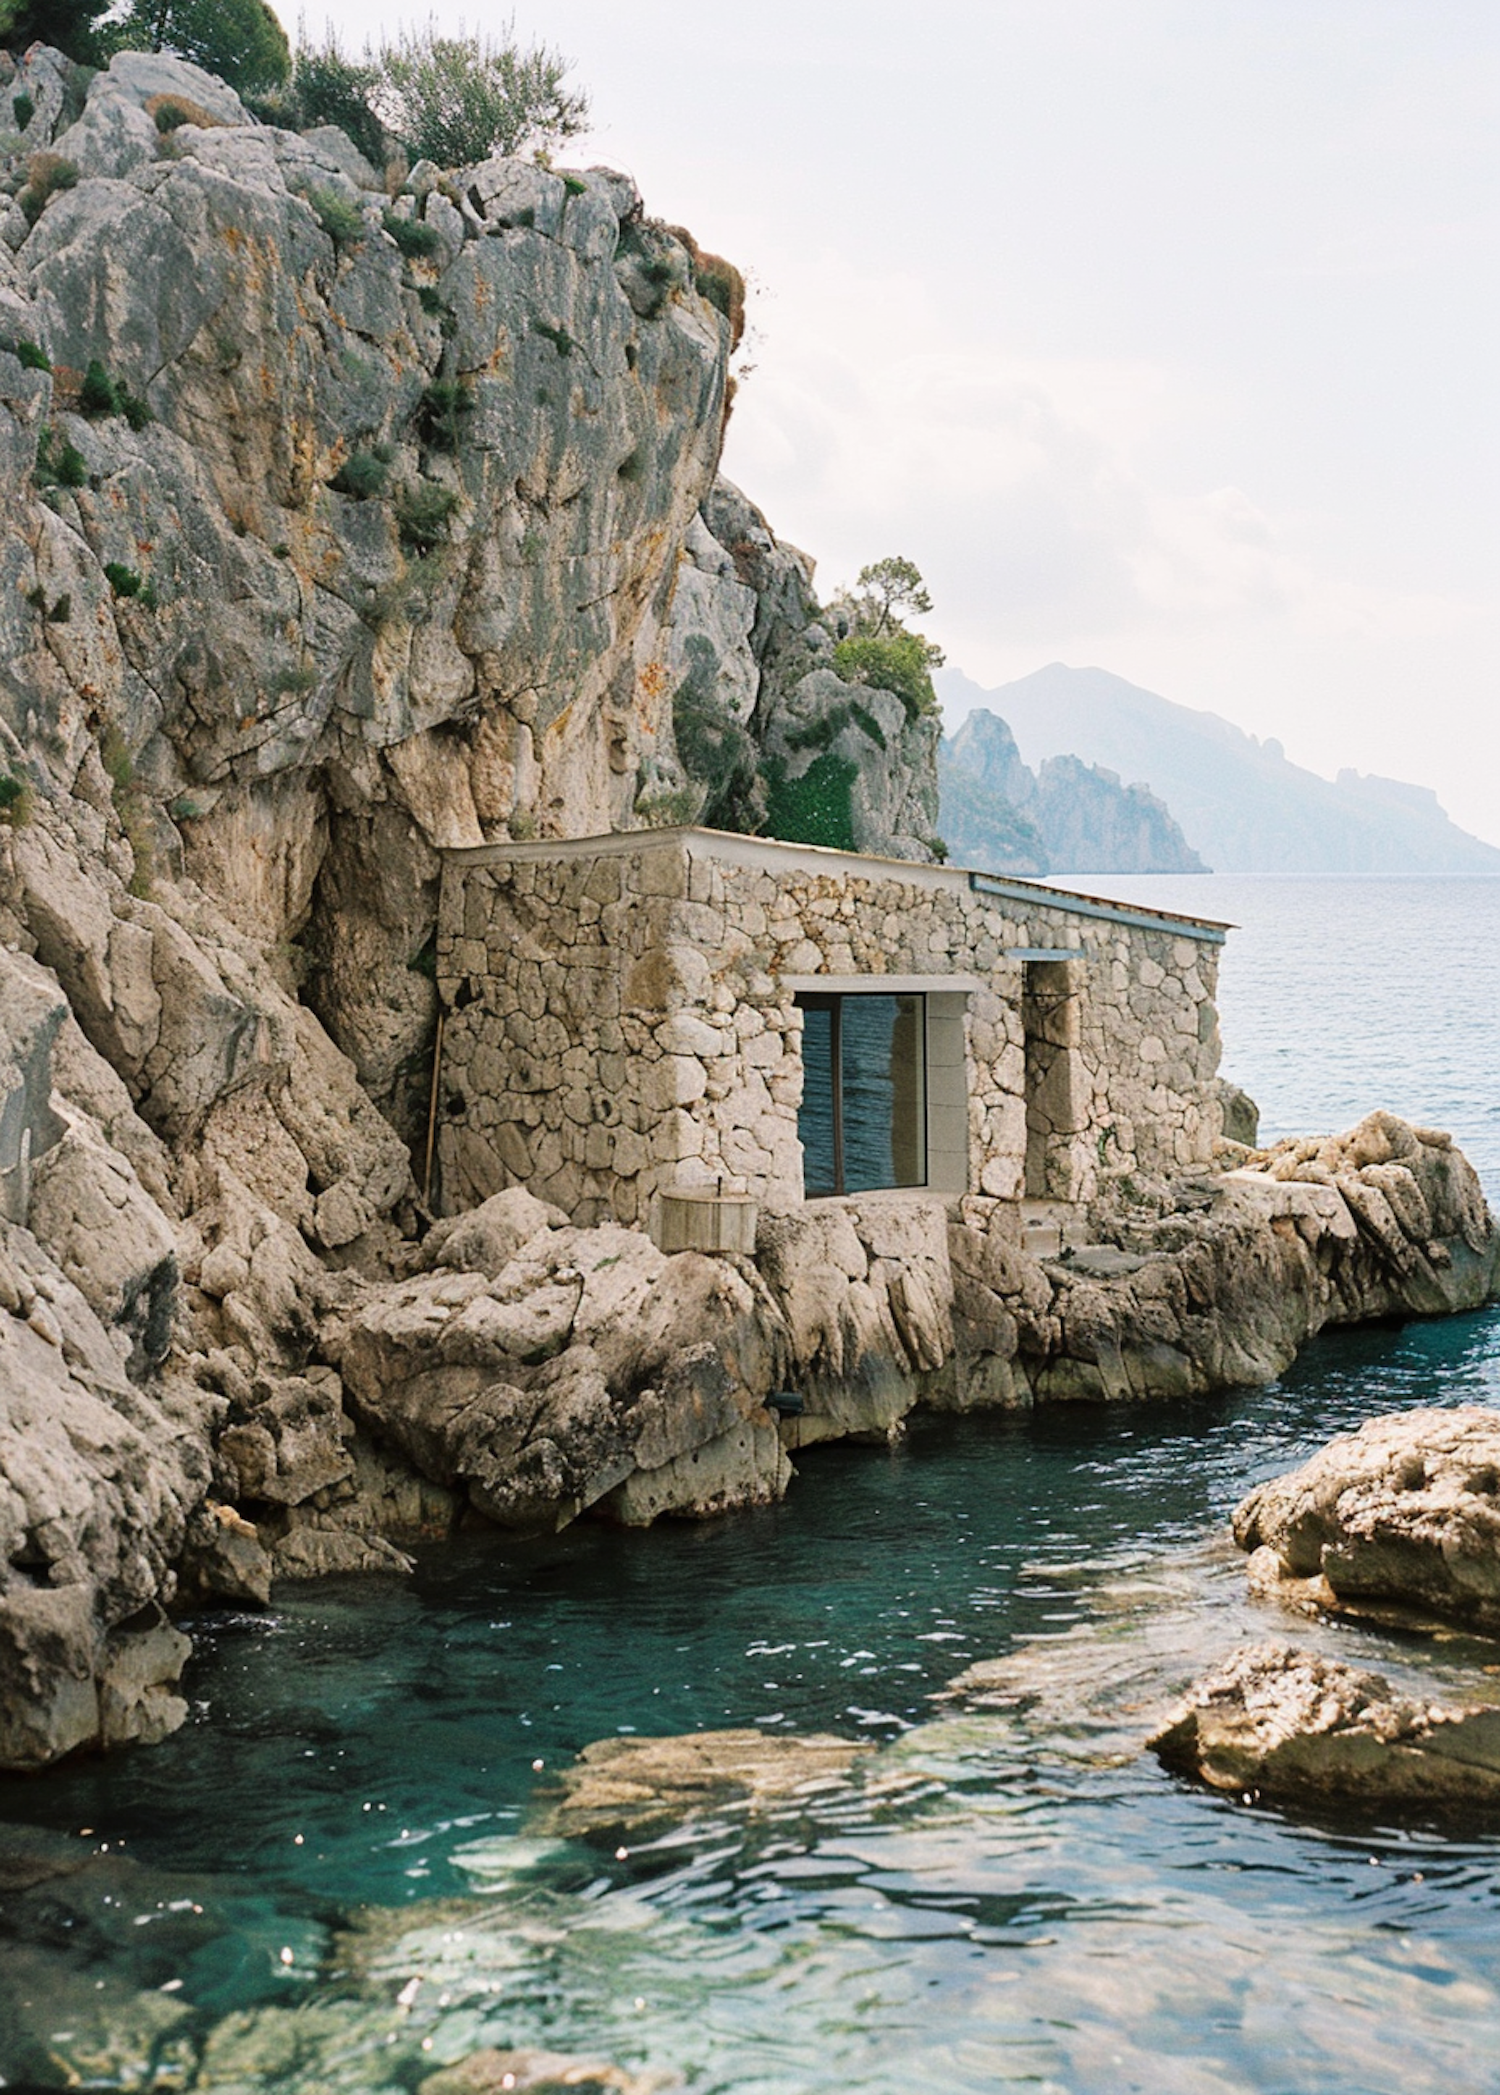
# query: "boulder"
[[1404, 1512], [288, 1441], [1279, 1722], [224, 1558], [1241, 1114], [592, 1370], [112, 1241], [866, 1288], [491, 2072]]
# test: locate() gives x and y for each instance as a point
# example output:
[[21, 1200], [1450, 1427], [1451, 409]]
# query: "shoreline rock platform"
[[528, 1372]]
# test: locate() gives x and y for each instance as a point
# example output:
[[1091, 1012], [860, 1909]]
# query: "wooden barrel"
[[700, 1218]]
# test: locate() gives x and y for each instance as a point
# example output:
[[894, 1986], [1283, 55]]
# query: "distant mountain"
[[1239, 801], [1073, 817]]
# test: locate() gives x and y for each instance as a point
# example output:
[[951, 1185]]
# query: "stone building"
[[631, 1014]]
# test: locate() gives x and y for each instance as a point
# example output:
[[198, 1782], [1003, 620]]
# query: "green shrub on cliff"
[[47, 175], [59, 462], [440, 411], [328, 88], [363, 473], [100, 394], [453, 99], [895, 662], [418, 242], [876, 647], [15, 800], [423, 508], [462, 98], [342, 221], [131, 807]]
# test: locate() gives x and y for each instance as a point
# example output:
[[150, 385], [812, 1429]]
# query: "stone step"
[[1041, 1239], [1060, 1216]]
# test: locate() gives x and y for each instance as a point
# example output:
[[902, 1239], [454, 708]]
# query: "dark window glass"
[[815, 1123], [863, 1122]]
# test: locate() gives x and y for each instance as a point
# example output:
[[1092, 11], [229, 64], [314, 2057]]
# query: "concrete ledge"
[[772, 856]]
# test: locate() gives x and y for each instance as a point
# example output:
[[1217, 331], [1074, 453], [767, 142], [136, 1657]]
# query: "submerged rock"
[[1405, 1512], [626, 1786], [1287, 1723], [539, 2073]]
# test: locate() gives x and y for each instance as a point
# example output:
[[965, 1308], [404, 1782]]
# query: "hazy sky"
[[1161, 334]]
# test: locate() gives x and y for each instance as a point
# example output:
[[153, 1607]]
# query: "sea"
[[341, 1874]]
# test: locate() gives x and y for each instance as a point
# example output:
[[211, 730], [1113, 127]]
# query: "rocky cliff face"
[[1067, 816], [338, 527], [388, 567], [772, 738]]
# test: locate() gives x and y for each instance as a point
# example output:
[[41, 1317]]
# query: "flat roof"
[[769, 853]]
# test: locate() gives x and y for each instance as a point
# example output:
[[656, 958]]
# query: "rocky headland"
[[1064, 816], [344, 525]]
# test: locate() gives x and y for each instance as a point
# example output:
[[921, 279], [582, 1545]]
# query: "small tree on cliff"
[[876, 647], [890, 586], [240, 40]]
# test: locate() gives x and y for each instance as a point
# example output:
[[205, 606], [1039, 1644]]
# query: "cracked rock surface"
[[1286, 1723], [1405, 1511]]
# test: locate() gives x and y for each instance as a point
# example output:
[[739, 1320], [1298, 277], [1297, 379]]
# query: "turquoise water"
[[335, 1876]]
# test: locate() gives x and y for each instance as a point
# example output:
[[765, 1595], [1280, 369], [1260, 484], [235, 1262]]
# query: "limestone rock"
[[142, 1664], [893, 798], [487, 1238], [312, 1550], [288, 1442], [111, 1239], [1241, 1114], [32, 1013], [98, 1480], [591, 1365], [1284, 1723], [254, 1273], [301, 620], [1405, 1511], [866, 1287], [223, 1558]]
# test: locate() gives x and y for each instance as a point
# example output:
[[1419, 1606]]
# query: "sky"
[[1161, 334]]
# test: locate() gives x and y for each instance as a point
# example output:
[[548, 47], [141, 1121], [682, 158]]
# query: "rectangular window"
[[863, 1123]]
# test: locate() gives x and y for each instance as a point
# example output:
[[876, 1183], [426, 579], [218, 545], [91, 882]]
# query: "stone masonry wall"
[[620, 1018]]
